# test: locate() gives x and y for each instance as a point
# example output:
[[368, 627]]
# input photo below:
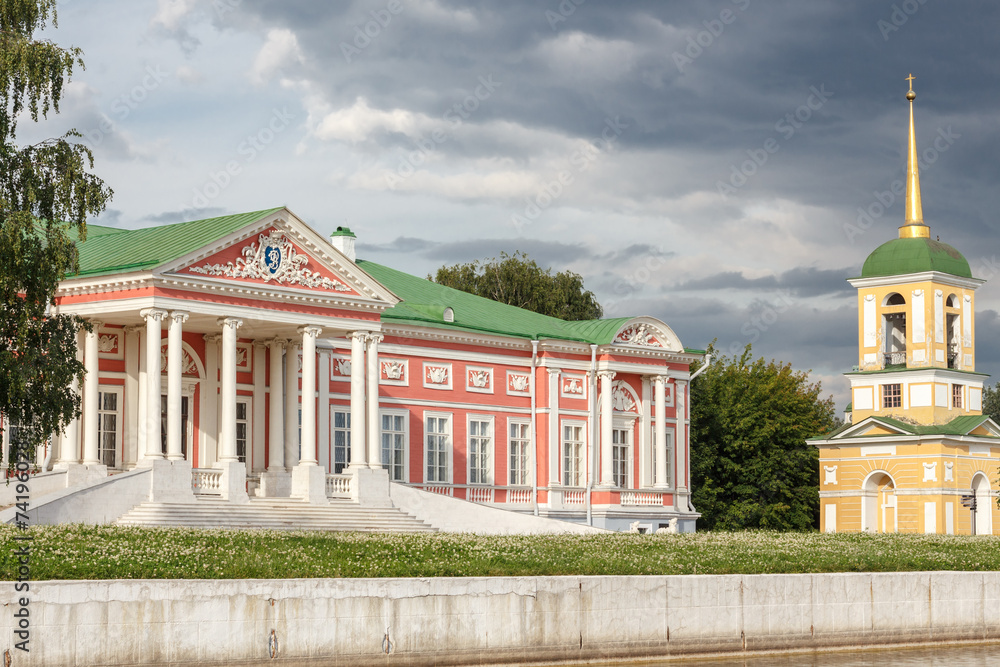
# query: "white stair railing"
[[206, 482], [338, 486]]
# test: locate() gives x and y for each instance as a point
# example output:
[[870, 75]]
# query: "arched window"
[[953, 329], [894, 299], [879, 508]]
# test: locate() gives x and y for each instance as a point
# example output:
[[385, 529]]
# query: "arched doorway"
[[879, 508], [983, 516]]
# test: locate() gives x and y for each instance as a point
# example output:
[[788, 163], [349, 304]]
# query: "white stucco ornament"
[[274, 260], [637, 334], [437, 374], [393, 370]]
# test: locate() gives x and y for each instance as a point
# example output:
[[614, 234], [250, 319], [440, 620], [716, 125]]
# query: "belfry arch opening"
[[894, 326], [879, 504], [953, 328]]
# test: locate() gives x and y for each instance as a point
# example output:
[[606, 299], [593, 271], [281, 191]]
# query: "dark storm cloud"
[[545, 253], [400, 244], [801, 281]]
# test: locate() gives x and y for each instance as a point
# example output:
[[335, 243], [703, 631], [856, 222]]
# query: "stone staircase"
[[275, 514]]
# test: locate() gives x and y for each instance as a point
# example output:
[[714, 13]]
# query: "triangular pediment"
[[281, 253], [872, 426]]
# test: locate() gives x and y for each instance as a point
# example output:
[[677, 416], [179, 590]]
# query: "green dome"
[[914, 255]]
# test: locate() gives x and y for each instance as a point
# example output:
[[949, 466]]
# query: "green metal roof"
[[424, 303], [110, 250], [914, 255], [958, 426]]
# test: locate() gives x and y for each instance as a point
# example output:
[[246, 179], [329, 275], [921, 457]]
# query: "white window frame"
[[405, 414], [627, 427], [527, 472], [449, 447], [490, 448], [334, 429], [582, 461], [119, 391], [248, 447]]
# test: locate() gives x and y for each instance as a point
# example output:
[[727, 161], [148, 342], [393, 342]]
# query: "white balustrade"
[[480, 494], [338, 486], [206, 481], [574, 497], [641, 498], [519, 496], [441, 490]]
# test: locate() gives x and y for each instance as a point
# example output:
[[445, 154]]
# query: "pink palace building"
[[247, 356]]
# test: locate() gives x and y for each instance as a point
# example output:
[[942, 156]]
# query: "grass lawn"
[[114, 552]]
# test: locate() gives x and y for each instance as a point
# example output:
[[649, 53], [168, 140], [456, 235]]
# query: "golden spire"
[[913, 226]]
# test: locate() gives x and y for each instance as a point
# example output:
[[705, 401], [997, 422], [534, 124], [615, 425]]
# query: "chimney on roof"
[[343, 240]]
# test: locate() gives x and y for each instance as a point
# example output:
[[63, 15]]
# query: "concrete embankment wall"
[[490, 620]]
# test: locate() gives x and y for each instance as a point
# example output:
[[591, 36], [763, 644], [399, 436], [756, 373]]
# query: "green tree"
[[46, 194], [991, 401], [519, 281], [750, 464]]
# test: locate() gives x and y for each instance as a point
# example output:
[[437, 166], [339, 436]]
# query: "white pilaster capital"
[[606, 375], [375, 338], [233, 322], [276, 342], [97, 324], [212, 337], [310, 330], [659, 379], [133, 329], [152, 314], [553, 372], [258, 342], [179, 316], [358, 335]]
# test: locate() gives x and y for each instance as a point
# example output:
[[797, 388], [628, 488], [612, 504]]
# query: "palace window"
[[109, 426], [480, 450], [620, 438], [572, 455], [107, 403], [242, 428], [437, 441], [956, 396], [892, 396], [341, 441], [518, 445], [394, 444]]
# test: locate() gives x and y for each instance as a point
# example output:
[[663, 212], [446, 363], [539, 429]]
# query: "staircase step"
[[274, 514]]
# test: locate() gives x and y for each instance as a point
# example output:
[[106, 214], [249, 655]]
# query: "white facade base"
[[98, 502], [370, 487], [454, 515], [171, 482], [275, 484], [517, 619], [309, 484], [234, 481]]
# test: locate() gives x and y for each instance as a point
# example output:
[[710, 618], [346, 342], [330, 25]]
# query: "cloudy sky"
[[707, 163]]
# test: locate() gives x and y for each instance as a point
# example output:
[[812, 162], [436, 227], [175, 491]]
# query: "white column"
[[555, 442], [258, 432], [175, 352], [323, 411], [309, 334], [291, 404], [69, 448], [607, 479], [276, 432], [154, 337], [374, 442], [682, 474], [209, 414], [358, 449], [90, 396], [660, 441], [132, 424], [227, 430]]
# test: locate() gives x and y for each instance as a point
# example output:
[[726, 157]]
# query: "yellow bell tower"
[[916, 322], [917, 449]]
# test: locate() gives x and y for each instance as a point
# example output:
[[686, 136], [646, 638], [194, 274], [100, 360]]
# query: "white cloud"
[[360, 121], [171, 13], [189, 75], [279, 51]]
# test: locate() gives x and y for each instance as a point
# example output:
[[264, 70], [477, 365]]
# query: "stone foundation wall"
[[451, 621]]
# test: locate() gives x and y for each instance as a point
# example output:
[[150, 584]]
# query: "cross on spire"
[[910, 79]]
